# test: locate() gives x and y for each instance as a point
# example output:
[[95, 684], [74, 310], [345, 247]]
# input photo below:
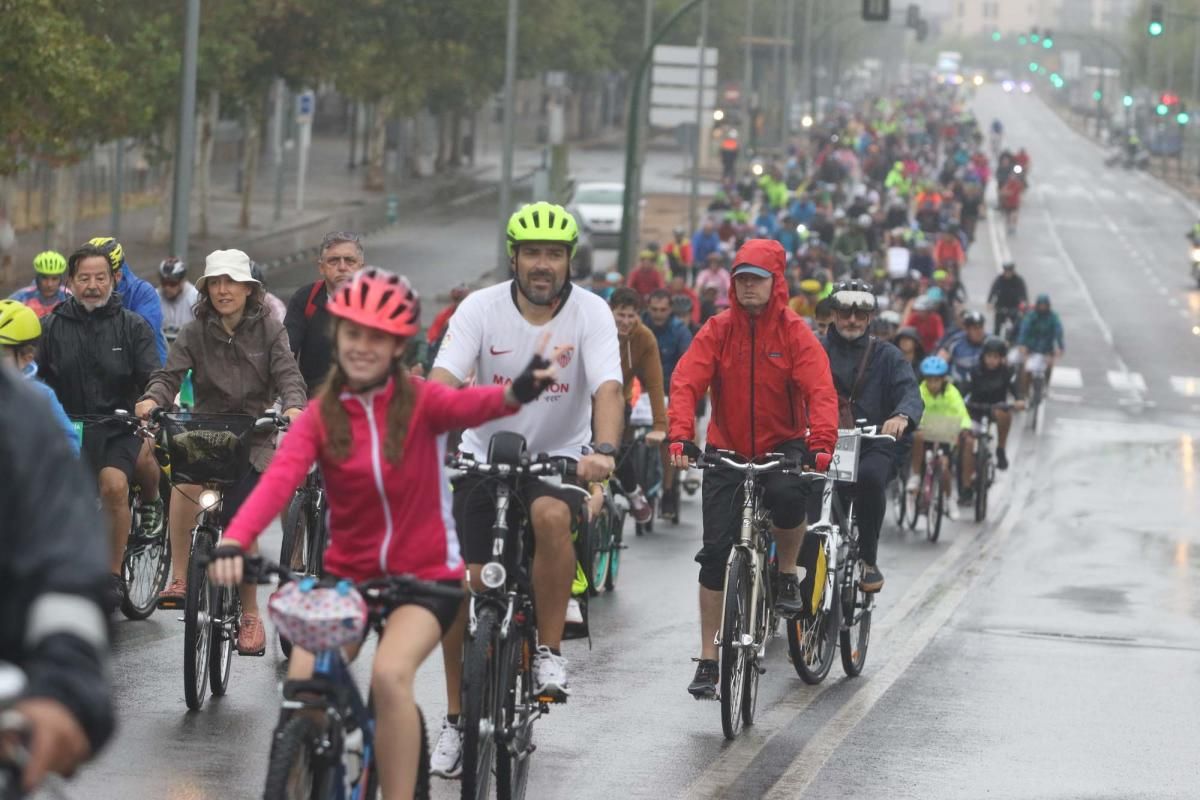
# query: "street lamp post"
[[506, 152], [185, 152], [748, 73], [699, 144]]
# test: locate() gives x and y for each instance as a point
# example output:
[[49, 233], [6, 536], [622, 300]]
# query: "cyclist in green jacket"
[[943, 400]]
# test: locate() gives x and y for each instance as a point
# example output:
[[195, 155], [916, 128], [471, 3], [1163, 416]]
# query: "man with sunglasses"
[[307, 321], [874, 383], [771, 393]]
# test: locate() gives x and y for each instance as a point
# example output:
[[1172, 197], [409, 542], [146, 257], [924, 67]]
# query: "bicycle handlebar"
[[373, 589]]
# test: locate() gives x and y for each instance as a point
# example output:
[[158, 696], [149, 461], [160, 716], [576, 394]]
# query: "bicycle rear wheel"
[[937, 505], [146, 567], [899, 497], [298, 769], [618, 544], [982, 465], [1036, 396], [812, 641], [602, 558], [518, 705], [732, 654], [226, 610], [197, 626], [855, 634], [479, 711]]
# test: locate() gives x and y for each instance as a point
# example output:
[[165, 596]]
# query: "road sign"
[[306, 105], [1072, 63], [675, 82]]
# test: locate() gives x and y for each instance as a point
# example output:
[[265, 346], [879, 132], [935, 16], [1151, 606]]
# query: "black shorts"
[[444, 609], [475, 510], [786, 496], [111, 445], [233, 496]]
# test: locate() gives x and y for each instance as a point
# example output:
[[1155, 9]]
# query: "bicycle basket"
[[208, 448], [941, 428], [318, 617]]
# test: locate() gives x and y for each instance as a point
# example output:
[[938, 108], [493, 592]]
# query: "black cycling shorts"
[[111, 445], [786, 496], [475, 510], [445, 609]]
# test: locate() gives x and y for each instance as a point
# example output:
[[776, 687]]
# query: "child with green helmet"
[[47, 289]]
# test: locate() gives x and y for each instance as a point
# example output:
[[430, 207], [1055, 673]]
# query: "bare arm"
[[445, 377]]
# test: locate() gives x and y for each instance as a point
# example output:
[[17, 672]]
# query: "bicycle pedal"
[[547, 699], [259, 654]]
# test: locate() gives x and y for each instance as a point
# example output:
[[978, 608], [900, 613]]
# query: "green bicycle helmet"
[[49, 263], [542, 222]]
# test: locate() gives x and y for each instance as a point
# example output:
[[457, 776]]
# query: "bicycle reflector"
[[493, 575]]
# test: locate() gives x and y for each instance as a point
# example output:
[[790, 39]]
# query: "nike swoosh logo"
[[496, 352]]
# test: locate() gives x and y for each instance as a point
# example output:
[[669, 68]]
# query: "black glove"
[[526, 388]]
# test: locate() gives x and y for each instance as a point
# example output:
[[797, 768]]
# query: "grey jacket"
[[239, 374]]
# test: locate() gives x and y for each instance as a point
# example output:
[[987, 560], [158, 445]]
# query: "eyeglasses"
[[860, 314]]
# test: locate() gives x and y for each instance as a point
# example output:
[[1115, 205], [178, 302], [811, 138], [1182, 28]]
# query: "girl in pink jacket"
[[379, 436]]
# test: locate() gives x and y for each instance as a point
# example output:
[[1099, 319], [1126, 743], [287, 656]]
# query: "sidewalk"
[[334, 200]]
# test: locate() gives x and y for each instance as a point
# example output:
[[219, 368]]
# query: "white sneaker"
[[446, 759], [640, 506], [914, 483], [574, 612], [550, 674]]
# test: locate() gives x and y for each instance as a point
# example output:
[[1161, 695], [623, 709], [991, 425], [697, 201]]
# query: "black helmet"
[[681, 304], [256, 272], [995, 344], [1008, 265], [172, 269], [854, 294], [972, 317]]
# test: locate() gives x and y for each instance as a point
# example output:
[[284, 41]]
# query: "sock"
[[452, 719], [555, 651]]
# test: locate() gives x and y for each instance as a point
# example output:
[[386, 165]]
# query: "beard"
[[90, 304], [540, 297]]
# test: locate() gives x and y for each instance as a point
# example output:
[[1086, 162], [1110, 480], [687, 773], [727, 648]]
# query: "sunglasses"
[[860, 314]]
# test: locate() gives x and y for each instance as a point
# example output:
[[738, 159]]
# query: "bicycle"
[[609, 527], [748, 620], [647, 464], [499, 705], [305, 535], [1008, 323], [1036, 366], [839, 606], [932, 499], [146, 563], [985, 467], [324, 747], [210, 450]]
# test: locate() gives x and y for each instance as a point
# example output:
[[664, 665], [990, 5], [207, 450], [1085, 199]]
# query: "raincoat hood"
[[765, 254]]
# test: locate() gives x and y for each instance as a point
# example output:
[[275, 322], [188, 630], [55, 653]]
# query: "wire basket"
[[208, 448]]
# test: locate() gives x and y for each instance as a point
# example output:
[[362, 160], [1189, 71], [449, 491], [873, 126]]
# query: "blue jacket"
[[703, 245], [60, 415], [1041, 333], [140, 297], [889, 385], [674, 338]]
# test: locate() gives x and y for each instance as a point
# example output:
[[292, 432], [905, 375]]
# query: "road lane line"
[[1066, 378], [825, 742], [994, 236]]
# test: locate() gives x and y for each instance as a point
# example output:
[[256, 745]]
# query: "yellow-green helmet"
[[112, 249], [542, 222], [19, 323], [49, 263]]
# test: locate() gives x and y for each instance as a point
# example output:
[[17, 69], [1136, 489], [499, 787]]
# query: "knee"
[[551, 520], [113, 487], [392, 682]]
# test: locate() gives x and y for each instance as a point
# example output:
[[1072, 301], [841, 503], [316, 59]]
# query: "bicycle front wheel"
[[225, 612], [982, 465], [812, 641], [298, 770], [618, 543], [734, 625], [899, 501], [855, 634], [517, 705], [937, 507], [479, 711], [602, 558], [146, 567], [197, 627]]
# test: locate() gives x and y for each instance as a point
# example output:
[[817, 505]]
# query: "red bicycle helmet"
[[379, 299]]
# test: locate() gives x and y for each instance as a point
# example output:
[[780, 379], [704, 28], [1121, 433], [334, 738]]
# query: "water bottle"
[[187, 393]]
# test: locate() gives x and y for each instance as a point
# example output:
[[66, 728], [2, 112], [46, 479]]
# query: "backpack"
[[310, 308], [846, 402]]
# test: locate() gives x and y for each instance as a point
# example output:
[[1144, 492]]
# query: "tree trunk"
[[160, 231], [376, 178], [253, 123], [456, 134], [208, 135]]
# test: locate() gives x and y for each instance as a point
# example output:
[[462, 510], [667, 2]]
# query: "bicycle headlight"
[[493, 575], [208, 499], [1196, 254]]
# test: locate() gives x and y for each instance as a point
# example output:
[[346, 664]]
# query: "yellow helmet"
[[19, 323], [542, 222], [49, 263], [112, 249]]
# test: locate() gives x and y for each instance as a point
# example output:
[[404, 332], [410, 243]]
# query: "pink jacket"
[[385, 518]]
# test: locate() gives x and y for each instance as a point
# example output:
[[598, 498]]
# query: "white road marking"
[[1066, 378], [1065, 398], [1126, 381], [1189, 387]]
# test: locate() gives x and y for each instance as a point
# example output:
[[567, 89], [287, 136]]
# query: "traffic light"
[[912, 16], [1033, 66], [1162, 109], [1127, 101], [1022, 40], [1169, 99], [922, 30], [995, 36], [1182, 117], [1048, 40], [1033, 35], [876, 10], [1097, 95], [1155, 28]]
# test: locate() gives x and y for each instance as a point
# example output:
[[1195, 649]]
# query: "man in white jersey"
[[493, 334]]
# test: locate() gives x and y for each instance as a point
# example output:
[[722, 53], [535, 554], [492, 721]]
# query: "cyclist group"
[[846, 315]]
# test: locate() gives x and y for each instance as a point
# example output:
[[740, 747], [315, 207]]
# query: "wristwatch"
[[604, 449]]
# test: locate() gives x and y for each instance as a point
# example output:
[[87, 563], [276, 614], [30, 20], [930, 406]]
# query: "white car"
[[597, 208]]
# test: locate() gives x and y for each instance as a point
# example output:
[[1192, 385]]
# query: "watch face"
[[604, 449]]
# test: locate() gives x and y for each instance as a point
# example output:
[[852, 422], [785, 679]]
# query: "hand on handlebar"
[[227, 564], [896, 426], [595, 467], [144, 409], [680, 456], [57, 742], [817, 461]]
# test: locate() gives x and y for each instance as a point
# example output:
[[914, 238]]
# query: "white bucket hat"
[[233, 263]]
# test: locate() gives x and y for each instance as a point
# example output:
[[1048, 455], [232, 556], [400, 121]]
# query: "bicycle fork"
[[745, 545]]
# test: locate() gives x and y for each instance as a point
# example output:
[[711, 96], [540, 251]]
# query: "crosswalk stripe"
[[1066, 378], [1126, 381], [1188, 387]]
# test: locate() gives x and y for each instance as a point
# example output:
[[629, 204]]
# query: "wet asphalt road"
[[1051, 652]]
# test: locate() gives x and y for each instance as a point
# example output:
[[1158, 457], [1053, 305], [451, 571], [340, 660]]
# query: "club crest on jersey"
[[564, 357]]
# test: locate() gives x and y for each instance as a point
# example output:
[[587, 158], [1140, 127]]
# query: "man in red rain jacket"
[[772, 393]]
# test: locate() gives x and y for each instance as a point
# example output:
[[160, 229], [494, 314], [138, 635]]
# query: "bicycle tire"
[[296, 768], [318, 536], [899, 501], [225, 622], [603, 555], [517, 703], [197, 632], [585, 548], [1035, 401], [983, 456], [479, 708], [732, 657], [146, 565], [295, 535], [614, 558], [763, 609], [937, 506], [855, 634], [821, 630]]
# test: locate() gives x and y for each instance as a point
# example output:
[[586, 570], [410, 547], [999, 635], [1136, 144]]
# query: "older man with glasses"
[[307, 321], [875, 383]]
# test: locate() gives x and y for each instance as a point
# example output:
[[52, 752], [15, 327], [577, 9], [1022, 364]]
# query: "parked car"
[[597, 207]]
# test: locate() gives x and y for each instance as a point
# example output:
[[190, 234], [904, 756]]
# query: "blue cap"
[[751, 270]]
